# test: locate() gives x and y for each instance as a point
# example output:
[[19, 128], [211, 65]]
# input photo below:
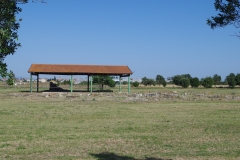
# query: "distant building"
[[43, 80]]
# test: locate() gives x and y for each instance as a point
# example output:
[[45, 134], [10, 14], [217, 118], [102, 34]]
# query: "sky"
[[152, 37]]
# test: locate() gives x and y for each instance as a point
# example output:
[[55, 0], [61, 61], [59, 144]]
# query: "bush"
[[176, 80], [184, 82], [148, 81], [145, 81], [238, 79], [188, 76], [135, 84], [231, 80], [207, 82], [11, 78], [151, 82], [103, 80], [216, 79], [65, 82], [58, 83], [164, 83], [124, 82], [111, 83], [159, 79], [194, 82]]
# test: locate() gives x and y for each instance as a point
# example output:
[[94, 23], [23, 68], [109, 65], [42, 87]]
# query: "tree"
[[111, 83], [104, 80], [145, 81], [207, 82], [184, 82], [159, 79], [188, 76], [229, 14], [151, 82], [135, 84], [11, 78], [194, 82], [148, 81], [176, 80], [216, 79], [9, 26], [237, 78], [231, 80], [8, 31], [164, 83]]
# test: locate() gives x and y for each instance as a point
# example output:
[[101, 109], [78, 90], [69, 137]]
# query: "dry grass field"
[[112, 126]]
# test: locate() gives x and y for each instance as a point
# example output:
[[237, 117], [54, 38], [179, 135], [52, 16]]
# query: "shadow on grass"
[[113, 156]]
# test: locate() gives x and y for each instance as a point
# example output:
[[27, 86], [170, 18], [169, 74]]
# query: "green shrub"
[[207, 82], [176, 80], [159, 80], [151, 82], [231, 80], [148, 81], [145, 81], [11, 78], [111, 83], [184, 82], [194, 82], [135, 84], [58, 83], [216, 79], [104, 80], [238, 79], [164, 83], [65, 82], [124, 82]]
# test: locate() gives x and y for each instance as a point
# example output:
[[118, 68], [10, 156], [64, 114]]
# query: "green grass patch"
[[65, 129]]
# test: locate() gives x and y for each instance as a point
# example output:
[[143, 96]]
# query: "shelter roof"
[[67, 69]]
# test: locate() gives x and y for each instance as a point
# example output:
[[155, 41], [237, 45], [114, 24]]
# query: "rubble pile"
[[123, 96]]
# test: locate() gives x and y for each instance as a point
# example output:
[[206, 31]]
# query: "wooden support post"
[[129, 84], [88, 83], [71, 84], [120, 89], [37, 82], [91, 83], [31, 82]]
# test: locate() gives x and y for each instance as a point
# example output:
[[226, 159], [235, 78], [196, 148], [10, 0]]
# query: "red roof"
[[66, 69]]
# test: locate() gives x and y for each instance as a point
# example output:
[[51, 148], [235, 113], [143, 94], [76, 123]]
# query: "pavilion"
[[89, 70]]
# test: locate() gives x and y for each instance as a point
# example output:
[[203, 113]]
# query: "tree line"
[[186, 80], [183, 80]]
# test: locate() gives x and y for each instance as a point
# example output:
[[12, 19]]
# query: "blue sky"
[[166, 37]]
